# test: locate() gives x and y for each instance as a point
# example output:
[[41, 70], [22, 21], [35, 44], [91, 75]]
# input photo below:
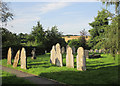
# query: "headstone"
[[100, 50], [96, 50], [63, 50], [67, 47], [53, 55], [91, 50], [69, 58], [73, 49], [81, 60], [58, 60], [33, 54], [45, 51], [16, 59], [23, 59], [9, 56], [87, 53]]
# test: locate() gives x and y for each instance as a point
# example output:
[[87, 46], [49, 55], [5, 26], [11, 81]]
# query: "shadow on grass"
[[103, 75]]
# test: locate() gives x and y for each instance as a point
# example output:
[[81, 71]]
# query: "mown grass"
[[8, 78], [102, 70]]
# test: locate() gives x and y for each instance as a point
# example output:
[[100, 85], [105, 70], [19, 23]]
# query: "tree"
[[8, 38], [39, 34], [6, 15], [97, 31], [53, 36]]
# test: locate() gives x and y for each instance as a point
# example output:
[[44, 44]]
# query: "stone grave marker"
[[69, 58], [96, 50], [63, 50], [87, 53], [33, 54], [23, 59], [81, 60], [53, 55], [73, 49], [58, 60], [67, 47], [16, 59], [9, 56]]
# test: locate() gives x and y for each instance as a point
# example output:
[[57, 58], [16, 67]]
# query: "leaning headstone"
[[53, 55], [73, 49], [16, 59], [33, 54], [69, 58], [81, 60], [23, 59], [9, 56], [58, 60], [87, 53], [63, 50]]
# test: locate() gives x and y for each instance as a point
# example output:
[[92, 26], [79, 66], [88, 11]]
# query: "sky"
[[69, 17]]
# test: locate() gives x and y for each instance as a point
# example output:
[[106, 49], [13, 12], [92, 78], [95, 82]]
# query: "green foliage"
[[52, 37], [5, 12], [8, 38], [111, 36], [81, 42], [103, 70], [98, 27]]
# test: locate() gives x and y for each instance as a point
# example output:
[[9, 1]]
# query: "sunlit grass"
[[102, 70]]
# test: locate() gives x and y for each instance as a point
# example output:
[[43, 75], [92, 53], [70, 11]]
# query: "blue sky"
[[69, 17]]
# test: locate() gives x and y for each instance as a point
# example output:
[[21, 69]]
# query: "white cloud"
[[52, 6]]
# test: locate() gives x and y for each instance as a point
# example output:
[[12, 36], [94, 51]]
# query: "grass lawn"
[[8, 78], [99, 71]]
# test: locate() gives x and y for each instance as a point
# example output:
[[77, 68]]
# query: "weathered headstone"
[[63, 50], [81, 60], [67, 47], [69, 58], [9, 56], [58, 60], [96, 50], [73, 49], [53, 55], [100, 50], [23, 59], [87, 53], [91, 50], [16, 59], [33, 54]]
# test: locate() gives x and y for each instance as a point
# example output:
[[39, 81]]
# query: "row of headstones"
[[56, 57], [21, 56], [97, 51]]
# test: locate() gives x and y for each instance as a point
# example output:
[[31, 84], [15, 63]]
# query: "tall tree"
[[38, 34], [6, 15], [101, 21]]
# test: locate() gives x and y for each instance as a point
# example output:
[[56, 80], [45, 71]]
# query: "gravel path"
[[33, 78]]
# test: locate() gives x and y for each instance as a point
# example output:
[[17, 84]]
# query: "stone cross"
[[9, 56], [69, 58], [81, 60], [16, 59], [33, 54], [63, 50], [53, 55], [73, 49], [58, 60], [87, 53], [23, 59]]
